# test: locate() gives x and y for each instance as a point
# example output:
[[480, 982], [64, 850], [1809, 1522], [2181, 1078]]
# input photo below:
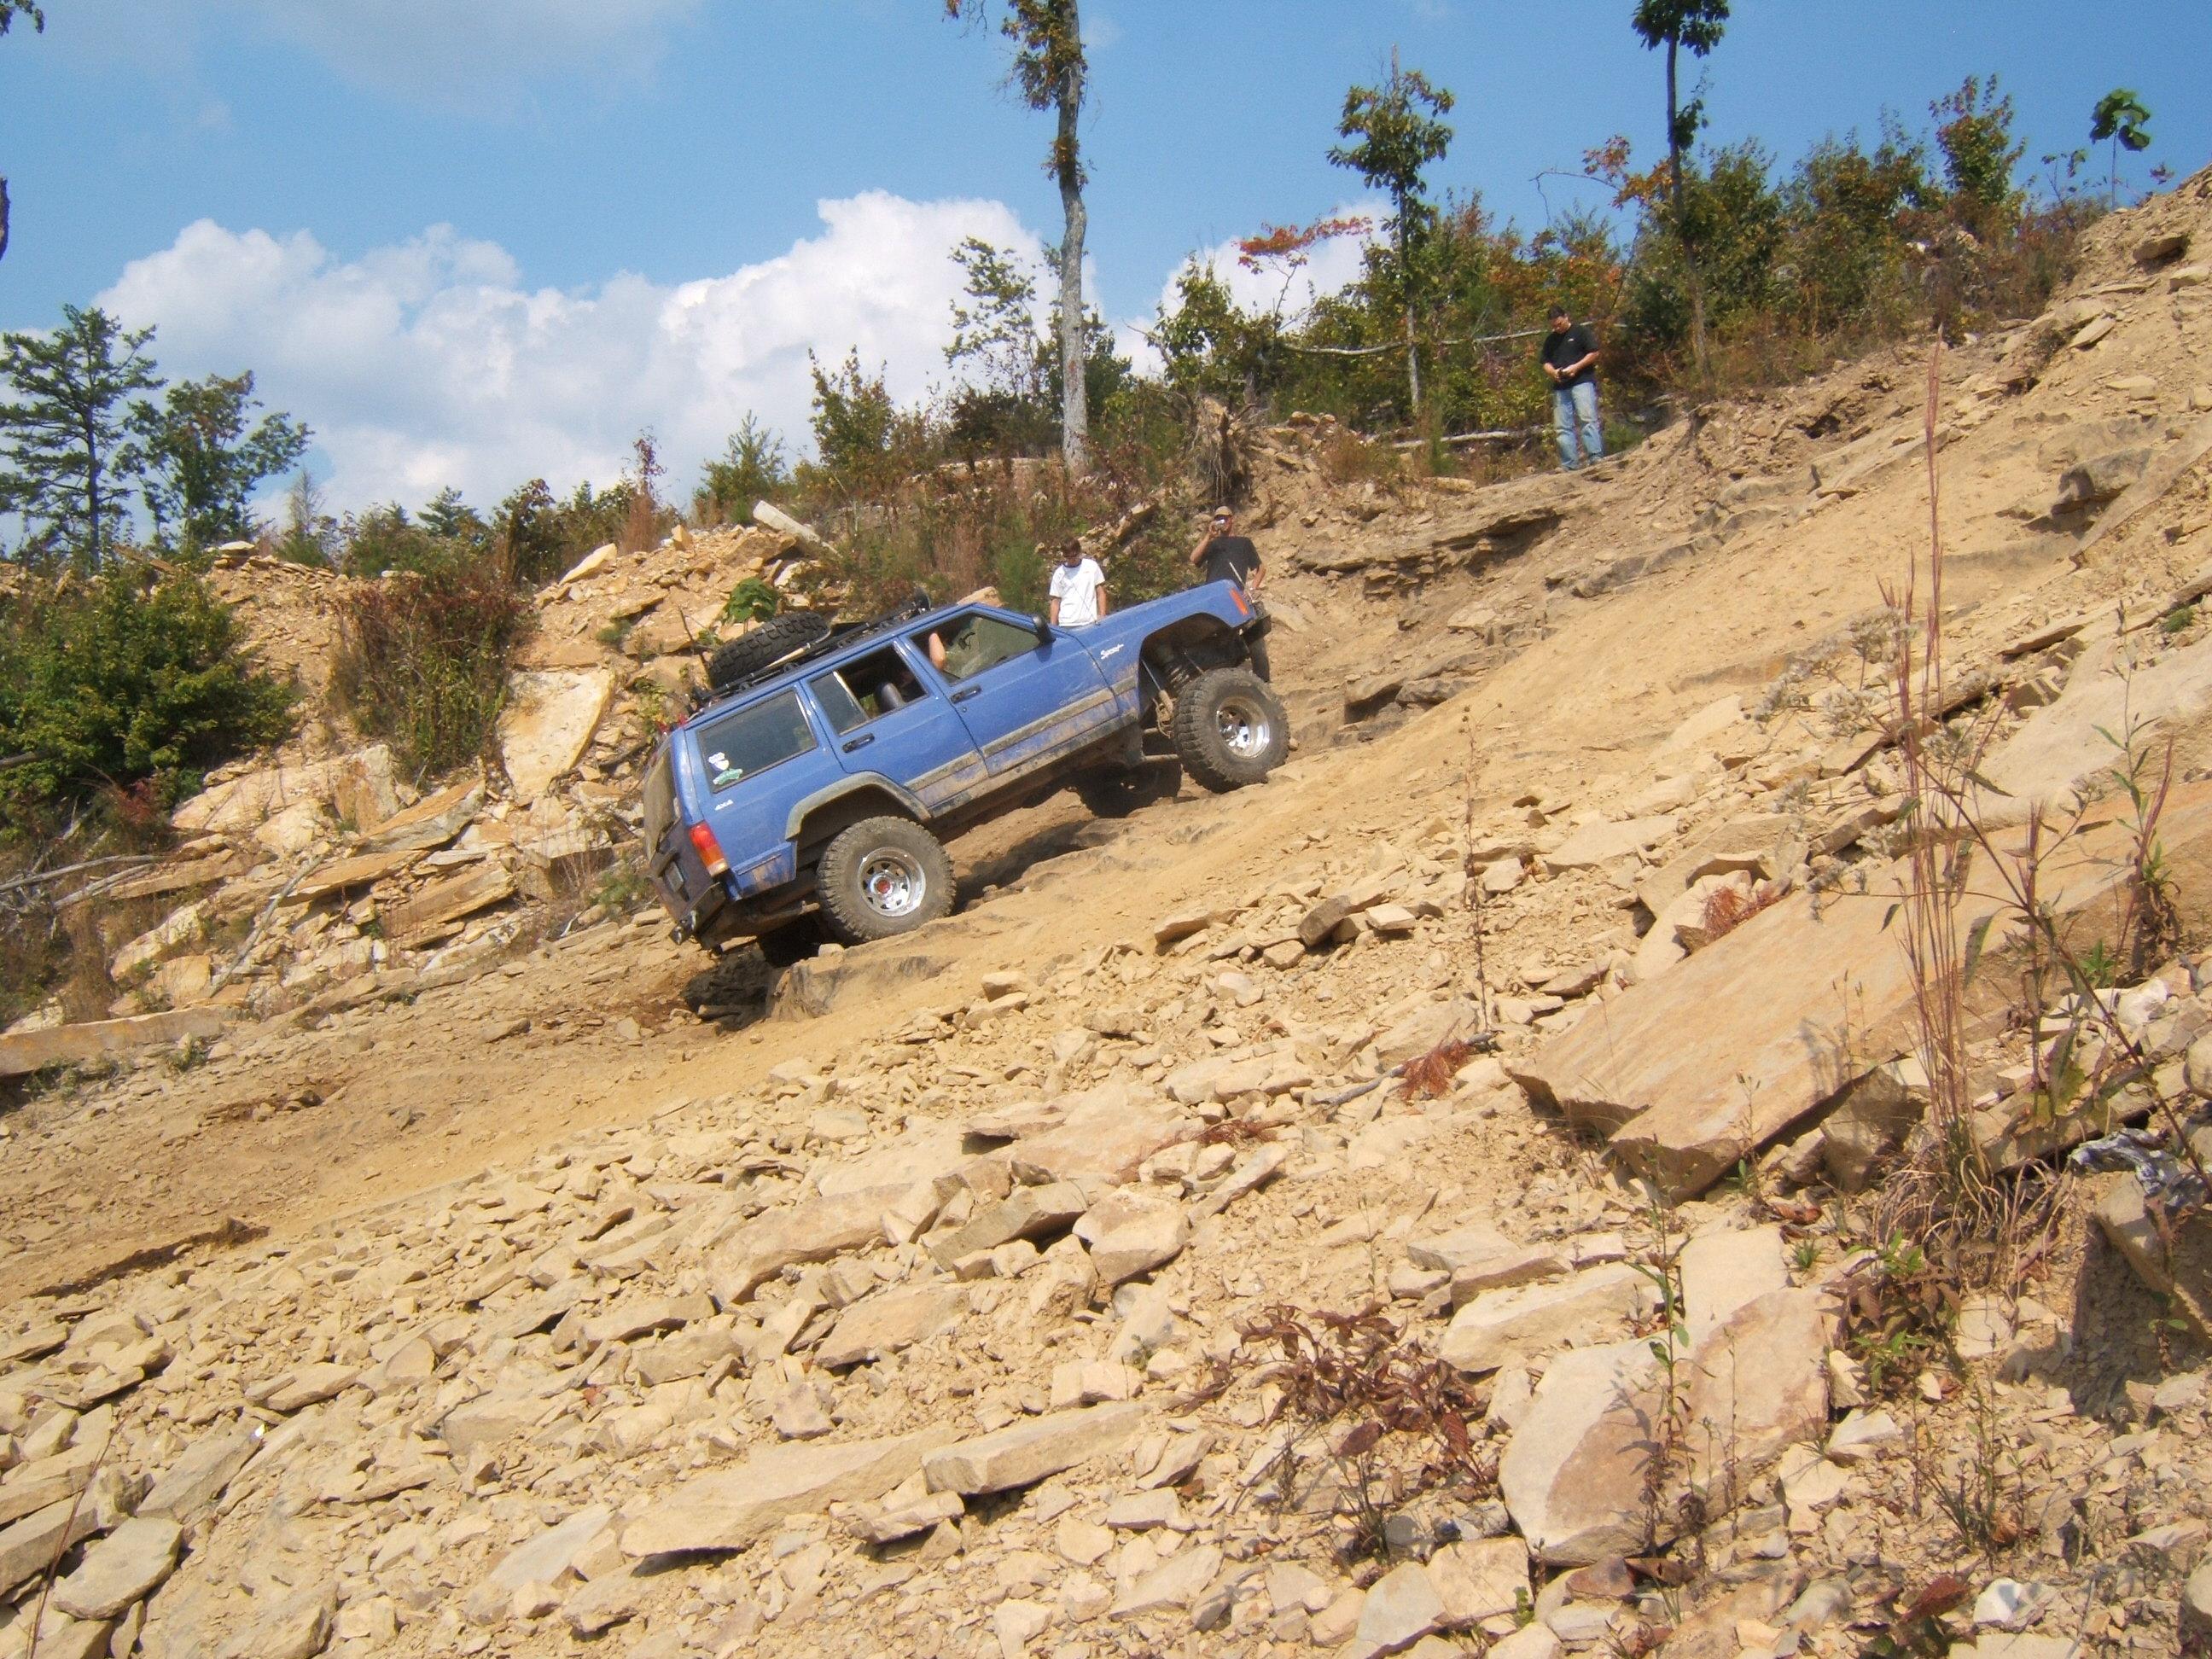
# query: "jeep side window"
[[753, 739], [966, 648], [865, 688]]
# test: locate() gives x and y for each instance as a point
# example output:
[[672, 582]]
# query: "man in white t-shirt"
[[1078, 589]]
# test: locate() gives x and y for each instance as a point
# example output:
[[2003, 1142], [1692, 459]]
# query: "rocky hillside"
[[1434, 1203]]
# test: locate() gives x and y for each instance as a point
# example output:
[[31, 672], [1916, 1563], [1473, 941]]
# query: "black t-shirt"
[[1572, 347], [1232, 559]]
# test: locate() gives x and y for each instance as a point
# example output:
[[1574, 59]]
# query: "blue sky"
[[472, 239]]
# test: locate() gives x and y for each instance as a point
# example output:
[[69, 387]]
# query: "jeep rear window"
[[737, 745]]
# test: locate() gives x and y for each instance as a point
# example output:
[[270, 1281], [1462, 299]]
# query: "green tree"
[[1052, 74], [1212, 344], [67, 445], [202, 461], [10, 11], [1397, 135], [1002, 406], [750, 468], [309, 534], [446, 516], [123, 678], [1974, 133], [853, 418], [1695, 27], [994, 322], [2124, 119]]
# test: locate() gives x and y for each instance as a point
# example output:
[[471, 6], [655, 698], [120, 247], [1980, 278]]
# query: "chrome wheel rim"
[[893, 883], [1244, 727]]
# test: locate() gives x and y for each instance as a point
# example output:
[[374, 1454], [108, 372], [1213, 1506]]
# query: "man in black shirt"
[[1226, 557], [1569, 359]]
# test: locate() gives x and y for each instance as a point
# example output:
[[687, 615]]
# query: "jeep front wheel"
[[882, 878], [1229, 728]]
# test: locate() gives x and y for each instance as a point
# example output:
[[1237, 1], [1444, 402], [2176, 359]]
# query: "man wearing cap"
[[1226, 557], [1570, 360], [1079, 588]]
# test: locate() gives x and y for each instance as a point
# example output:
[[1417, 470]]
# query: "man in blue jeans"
[[1570, 358]]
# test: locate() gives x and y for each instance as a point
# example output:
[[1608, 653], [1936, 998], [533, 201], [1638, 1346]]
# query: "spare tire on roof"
[[764, 646]]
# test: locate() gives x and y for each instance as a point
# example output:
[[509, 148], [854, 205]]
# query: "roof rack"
[[839, 636]]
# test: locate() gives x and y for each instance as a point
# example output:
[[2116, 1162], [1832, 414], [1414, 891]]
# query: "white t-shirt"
[[1077, 590]]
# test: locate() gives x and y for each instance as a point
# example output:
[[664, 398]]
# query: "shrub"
[[752, 600], [126, 682], [423, 660]]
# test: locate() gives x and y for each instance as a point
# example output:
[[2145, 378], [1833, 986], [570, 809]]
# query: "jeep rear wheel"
[[882, 878], [764, 646], [1229, 728]]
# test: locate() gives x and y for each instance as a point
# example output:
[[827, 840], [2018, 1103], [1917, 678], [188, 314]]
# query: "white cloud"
[[431, 362]]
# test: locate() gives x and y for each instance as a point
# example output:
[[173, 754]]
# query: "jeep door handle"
[[859, 743], [962, 696]]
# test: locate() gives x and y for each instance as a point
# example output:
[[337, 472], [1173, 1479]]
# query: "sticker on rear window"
[[724, 772]]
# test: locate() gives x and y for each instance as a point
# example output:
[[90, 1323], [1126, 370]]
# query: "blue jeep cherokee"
[[831, 764]]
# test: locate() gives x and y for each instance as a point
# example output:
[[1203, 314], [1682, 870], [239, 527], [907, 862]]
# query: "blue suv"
[[831, 764]]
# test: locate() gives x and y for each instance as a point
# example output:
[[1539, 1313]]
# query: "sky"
[[474, 241]]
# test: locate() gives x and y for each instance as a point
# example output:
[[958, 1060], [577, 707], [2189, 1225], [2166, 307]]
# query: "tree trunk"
[[1682, 234], [1067, 164], [92, 491], [1413, 347]]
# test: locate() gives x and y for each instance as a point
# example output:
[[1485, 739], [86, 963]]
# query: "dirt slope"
[[1583, 686]]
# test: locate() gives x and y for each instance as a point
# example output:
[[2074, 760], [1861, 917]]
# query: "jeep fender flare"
[[873, 782]]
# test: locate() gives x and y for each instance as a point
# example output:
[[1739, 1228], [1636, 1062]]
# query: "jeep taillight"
[[702, 838]]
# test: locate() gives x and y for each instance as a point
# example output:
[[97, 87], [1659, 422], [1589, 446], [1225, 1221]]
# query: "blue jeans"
[[1573, 405]]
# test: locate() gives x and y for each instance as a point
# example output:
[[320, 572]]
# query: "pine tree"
[[204, 463], [67, 443]]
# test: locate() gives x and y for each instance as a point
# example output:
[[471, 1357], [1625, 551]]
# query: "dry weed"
[[1728, 909], [1431, 1077], [1336, 1366]]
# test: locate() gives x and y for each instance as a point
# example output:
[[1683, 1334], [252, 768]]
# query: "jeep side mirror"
[[1042, 629]]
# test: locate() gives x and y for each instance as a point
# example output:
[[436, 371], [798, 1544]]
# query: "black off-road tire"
[[882, 877], [1229, 728], [764, 647]]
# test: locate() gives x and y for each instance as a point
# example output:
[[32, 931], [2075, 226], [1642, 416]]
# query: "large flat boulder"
[[1030, 1451], [2062, 747], [1513, 1321], [548, 721], [446, 900], [1101, 1143], [23, 1052], [794, 1235], [430, 821], [734, 1507], [244, 803], [1578, 1474], [885, 1324], [1693, 1071]]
